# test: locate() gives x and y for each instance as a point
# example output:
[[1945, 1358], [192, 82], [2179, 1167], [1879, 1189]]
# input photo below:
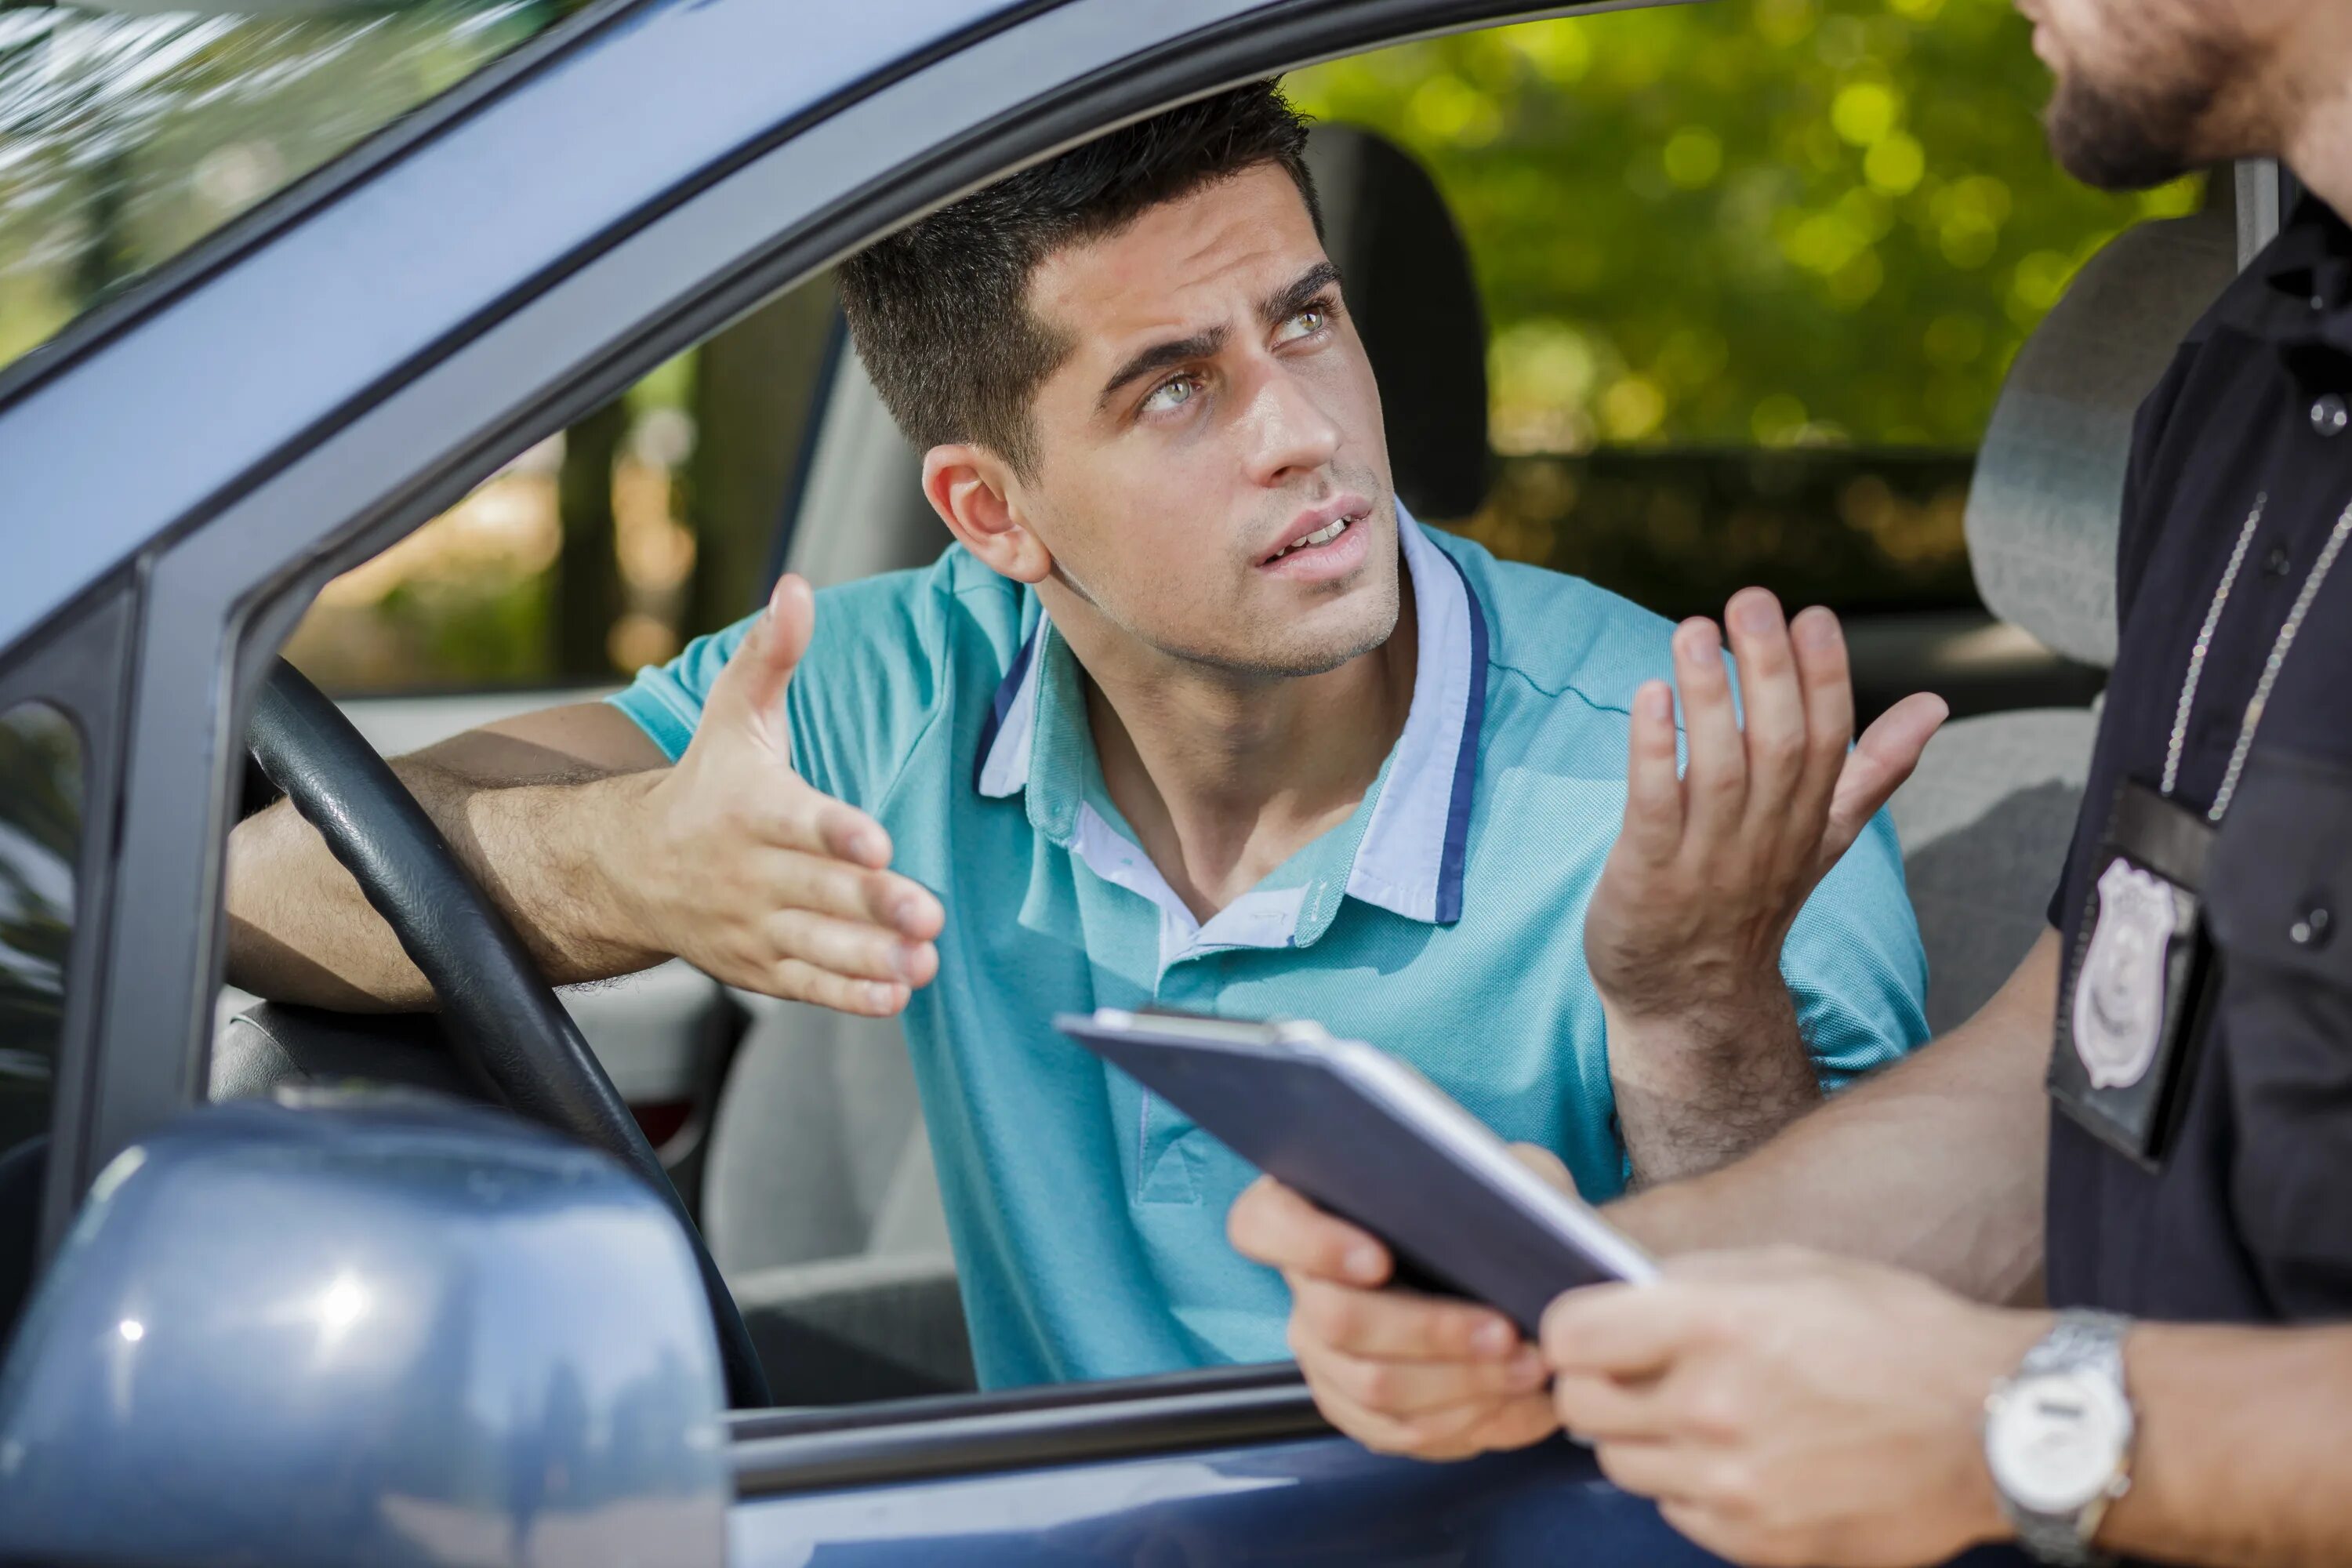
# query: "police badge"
[[2119, 998], [2135, 991]]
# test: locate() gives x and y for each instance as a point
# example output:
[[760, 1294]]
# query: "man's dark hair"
[[939, 310]]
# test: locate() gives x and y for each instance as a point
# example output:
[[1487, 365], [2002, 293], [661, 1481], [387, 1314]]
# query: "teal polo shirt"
[[1444, 923]]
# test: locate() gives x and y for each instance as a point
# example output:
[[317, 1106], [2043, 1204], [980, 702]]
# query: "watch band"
[[2079, 1340]]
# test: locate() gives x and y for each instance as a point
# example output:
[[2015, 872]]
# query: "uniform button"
[[2277, 561], [2329, 414], [2312, 928]]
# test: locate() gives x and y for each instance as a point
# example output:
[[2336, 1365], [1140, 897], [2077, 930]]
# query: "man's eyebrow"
[[1279, 308], [1160, 356], [1275, 309]]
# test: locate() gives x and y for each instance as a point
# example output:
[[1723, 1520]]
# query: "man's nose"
[[1290, 431]]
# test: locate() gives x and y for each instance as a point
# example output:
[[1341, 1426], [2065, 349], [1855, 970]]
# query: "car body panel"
[[365, 1327], [1319, 1500]]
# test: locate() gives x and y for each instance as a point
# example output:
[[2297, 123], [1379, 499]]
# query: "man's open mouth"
[[1322, 536]]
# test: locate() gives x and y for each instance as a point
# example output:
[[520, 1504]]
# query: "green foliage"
[[487, 631], [1776, 222]]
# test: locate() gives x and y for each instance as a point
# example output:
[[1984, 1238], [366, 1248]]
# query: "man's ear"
[[971, 491]]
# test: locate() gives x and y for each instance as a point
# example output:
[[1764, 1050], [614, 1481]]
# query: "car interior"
[[793, 1133]]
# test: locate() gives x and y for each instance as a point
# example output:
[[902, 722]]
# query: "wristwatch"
[[2058, 1437]]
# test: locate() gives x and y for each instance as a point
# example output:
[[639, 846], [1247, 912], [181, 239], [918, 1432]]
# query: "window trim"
[[781, 1453]]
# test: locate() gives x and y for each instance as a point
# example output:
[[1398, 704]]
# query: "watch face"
[[2055, 1442]]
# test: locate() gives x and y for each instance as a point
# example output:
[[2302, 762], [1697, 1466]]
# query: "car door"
[[769, 139], [1199, 1468]]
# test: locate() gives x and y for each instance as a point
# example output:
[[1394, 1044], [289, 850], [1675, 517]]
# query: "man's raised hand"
[[743, 868], [1715, 863]]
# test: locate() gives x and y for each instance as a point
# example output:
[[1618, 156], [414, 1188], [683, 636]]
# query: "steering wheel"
[[499, 1016]]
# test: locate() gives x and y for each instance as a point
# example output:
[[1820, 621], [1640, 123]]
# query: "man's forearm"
[[301, 930], [1699, 1091], [2239, 1455], [1936, 1165]]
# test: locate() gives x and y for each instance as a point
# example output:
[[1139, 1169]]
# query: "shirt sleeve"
[[864, 693], [666, 699], [1855, 965]]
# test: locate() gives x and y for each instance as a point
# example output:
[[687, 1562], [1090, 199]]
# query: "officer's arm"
[[1936, 1165], [2239, 1455], [606, 860]]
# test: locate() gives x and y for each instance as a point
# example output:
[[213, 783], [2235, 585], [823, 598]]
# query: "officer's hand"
[[1713, 866], [739, 866], [1398, 1372], [1785, 1407]]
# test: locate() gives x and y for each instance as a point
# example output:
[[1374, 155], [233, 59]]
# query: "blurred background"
[[1752, 271]]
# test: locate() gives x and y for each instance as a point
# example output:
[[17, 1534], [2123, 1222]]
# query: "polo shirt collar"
[[1411, 836]]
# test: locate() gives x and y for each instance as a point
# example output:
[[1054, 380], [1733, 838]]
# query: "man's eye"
[[1170, 396], [1304, 324]]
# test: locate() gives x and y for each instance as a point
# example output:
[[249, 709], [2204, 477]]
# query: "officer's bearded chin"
[[2130, 125]]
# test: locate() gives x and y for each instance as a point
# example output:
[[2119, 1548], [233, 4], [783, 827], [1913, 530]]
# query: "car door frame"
[[223, 574]]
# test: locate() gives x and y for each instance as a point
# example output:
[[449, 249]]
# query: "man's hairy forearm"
[[1696, 1092], [301, 930], [1936, 1165], [2240, 1457]]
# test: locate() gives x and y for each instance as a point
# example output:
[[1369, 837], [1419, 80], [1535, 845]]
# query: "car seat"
[[819, 1200], [1986, 820]]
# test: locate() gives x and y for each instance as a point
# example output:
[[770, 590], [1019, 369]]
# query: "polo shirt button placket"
[[2330, 414]]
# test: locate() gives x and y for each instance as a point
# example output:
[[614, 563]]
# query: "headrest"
[[2047, 498], [1409, 285]]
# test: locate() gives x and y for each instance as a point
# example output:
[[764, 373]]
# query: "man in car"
[[2187, 1202], [1192, 715]]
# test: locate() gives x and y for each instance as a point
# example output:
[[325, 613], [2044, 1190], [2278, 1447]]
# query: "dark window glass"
[[40, 830], [129, 134]]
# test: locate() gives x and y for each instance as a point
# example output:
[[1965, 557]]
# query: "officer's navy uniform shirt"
[[2250, 1218]]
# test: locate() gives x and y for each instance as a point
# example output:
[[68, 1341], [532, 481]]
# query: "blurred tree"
[[1754, 222], [585, 583], [753, 388]]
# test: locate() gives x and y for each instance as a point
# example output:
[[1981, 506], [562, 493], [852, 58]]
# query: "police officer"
[[2150, 1124]]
